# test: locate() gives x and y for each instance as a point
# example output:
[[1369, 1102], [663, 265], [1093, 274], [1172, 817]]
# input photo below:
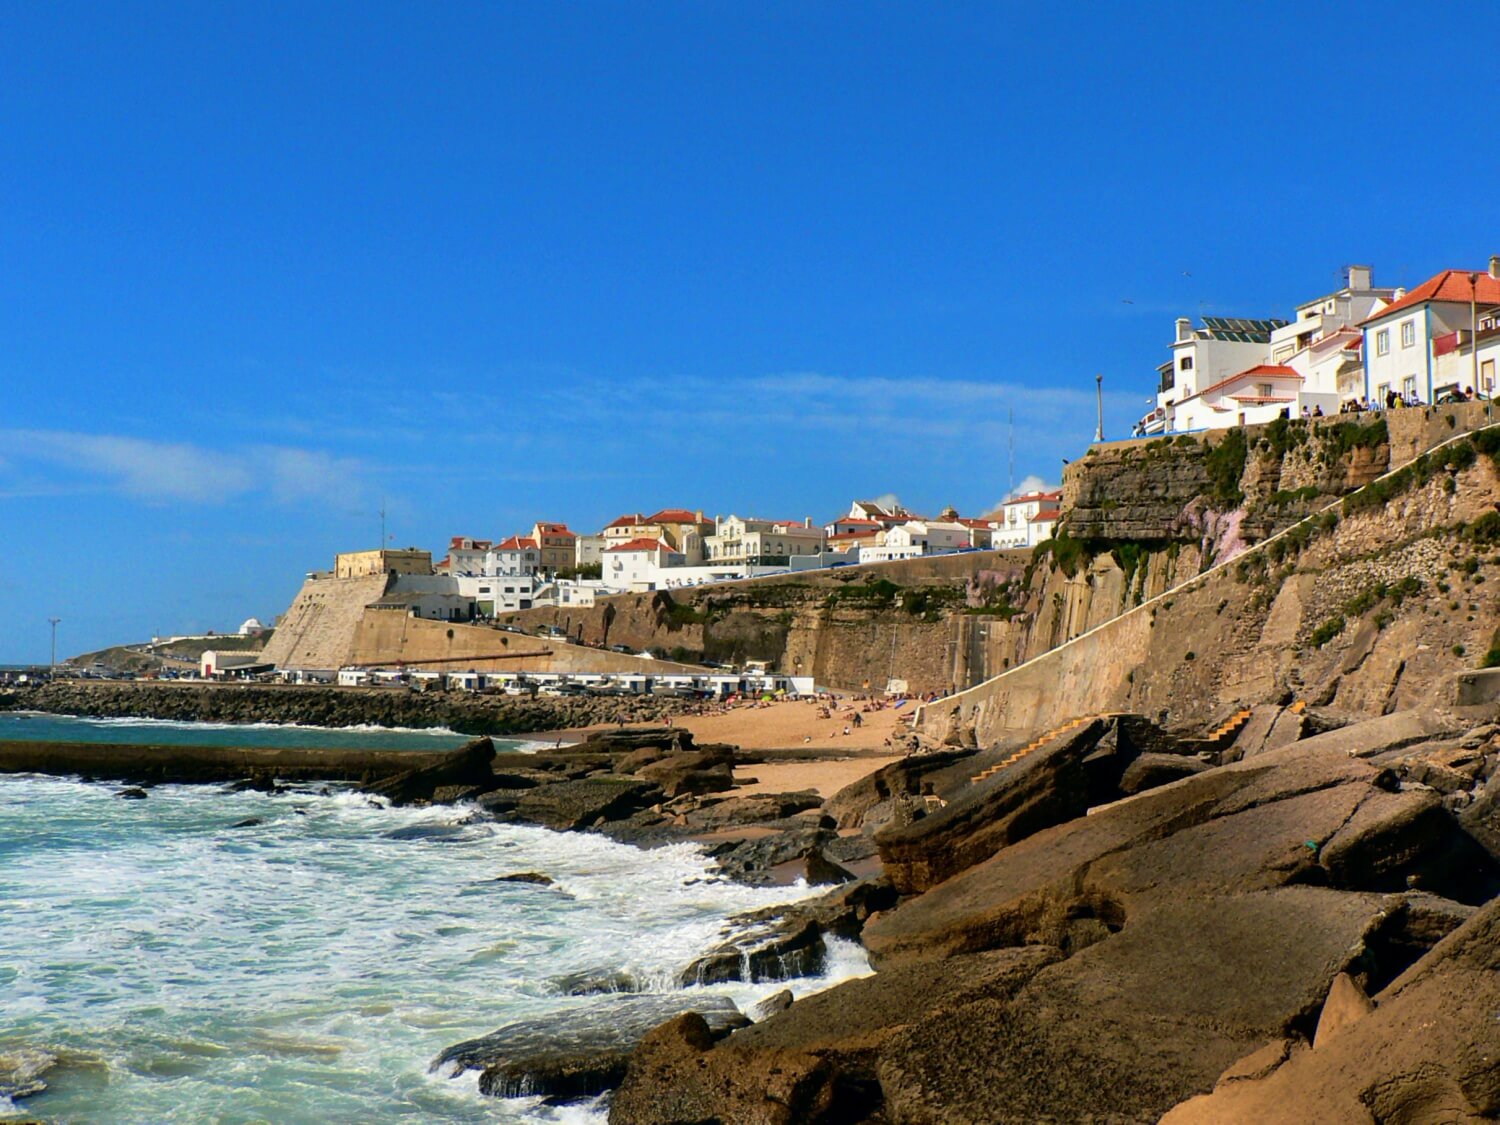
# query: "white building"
[[1322, 344], [636, 564], [1456, 362], [1204, 356], [1262, 394], [1400, 341], [215, 663], [762, 542], [1025, 520], [515, 556], [429, 604], [466, 555]]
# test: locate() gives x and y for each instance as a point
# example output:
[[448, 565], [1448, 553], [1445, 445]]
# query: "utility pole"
[[1099, 392], [1010, 487], [52, 667]]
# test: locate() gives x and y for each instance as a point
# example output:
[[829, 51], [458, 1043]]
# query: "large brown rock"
[[1130, 1026], [1428, 1053], [567, 805], [820, 1052], [1044, 788], [465, 771]]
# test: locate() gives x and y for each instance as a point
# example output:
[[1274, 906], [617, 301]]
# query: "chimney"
[[1359, 277], [807, 521], [1495, 266], [1398, 294], [699, 514], [1184, 328]]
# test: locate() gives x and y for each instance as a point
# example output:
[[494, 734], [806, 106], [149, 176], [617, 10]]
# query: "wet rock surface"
[[578, 1053], [1267, 940]]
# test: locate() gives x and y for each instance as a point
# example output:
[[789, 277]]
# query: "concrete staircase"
[[1031, 747]]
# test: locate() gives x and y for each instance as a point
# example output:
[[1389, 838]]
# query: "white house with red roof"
[[1401, 349], [1027, 519], [516, 555], [1260, 394], [1202, 357]]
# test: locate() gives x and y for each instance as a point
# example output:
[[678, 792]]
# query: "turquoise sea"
[[163, 965]]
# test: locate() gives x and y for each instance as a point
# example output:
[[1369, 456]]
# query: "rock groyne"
[[334, 707]]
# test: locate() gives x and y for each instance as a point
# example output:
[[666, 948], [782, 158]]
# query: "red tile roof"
[[518, 543], [1044, 515], [457, 544], [1259, 371], [630, 519], [1450, 285], [641, 545], [557, 529], [675, 515]]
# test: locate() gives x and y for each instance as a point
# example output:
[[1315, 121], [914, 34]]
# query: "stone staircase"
[[1031, 747], [1230, 728]]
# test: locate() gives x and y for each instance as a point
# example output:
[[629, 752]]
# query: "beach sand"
[[794, 725]]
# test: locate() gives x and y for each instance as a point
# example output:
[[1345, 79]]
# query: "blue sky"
[[264, 267]]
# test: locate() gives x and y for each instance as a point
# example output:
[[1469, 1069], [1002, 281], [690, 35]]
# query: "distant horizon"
[[269, 272]]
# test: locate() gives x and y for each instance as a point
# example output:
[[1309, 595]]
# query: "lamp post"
[[1474, 332], [52, 666], [1099, 392]]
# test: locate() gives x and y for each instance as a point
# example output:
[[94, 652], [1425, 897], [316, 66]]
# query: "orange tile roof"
[[517, 543], [1450, 285], [630, 519]]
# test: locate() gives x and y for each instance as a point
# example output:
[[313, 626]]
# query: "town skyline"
[[608, 261]]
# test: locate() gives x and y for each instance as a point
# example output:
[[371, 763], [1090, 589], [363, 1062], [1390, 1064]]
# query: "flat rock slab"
[[581, 1052], [1426, 1053], [1153, 1014]]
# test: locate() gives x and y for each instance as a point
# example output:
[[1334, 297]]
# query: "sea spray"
[[310, 966]]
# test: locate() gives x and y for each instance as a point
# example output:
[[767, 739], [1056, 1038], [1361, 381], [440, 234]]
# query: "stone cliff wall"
[[1365, 607], [386, 638]]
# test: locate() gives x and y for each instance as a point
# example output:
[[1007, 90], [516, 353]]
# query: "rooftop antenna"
[[382, 525], [1010, 488]]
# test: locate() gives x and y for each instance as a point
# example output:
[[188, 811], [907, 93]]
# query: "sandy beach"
[[796, 724]]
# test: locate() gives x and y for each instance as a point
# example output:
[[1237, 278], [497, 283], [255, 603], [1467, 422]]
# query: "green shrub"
[[1225, 463], [1327, 631]]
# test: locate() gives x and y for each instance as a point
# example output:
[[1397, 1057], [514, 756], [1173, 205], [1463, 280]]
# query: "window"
[[1187, 363], [1409, 386], [1408, 333], [1263, 389], [1383, 342], [1382, 392]]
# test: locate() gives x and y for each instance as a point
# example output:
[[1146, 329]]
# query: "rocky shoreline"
[[1294, 920], [312, 705], [1106, 922]]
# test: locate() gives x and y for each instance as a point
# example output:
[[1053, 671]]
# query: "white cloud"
[[162, 471], [1031, 483]]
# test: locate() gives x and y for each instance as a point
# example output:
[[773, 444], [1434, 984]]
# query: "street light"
[[52, 667]]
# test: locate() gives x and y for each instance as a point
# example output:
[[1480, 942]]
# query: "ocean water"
[[309, 968], [35, 726]]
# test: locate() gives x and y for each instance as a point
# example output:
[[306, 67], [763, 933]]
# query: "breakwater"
[[333, 706]]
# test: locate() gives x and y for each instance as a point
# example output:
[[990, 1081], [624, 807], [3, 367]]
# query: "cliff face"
[[1367, 608]]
